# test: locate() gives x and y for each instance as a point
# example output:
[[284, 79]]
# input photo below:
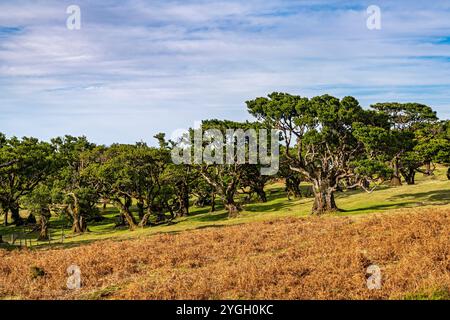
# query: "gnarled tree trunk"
[[76, 216], [79, 224], [15, 214], [213, 202], [293, 187], [5, 221], [428, 171], [396, 179], [145, 218], [409, 175], [259, 189], [232, 207], [140, 206], [125, 212], [43, 223], [183, 198], [324, 203], [323, 198]]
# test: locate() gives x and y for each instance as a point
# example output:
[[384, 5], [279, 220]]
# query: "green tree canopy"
[[321, 131]]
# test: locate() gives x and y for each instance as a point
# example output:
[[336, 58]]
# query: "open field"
[[290, 258]]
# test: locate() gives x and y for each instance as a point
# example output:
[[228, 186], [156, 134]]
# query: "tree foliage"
[[333, 144]]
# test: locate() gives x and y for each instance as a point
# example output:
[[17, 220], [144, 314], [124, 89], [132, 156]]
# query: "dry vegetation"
[[291, 258]]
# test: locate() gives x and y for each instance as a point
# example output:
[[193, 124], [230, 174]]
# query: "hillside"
[[289, 258], [427, 192], [273, 250]]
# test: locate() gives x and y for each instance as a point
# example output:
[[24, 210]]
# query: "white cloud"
[[164, 64]]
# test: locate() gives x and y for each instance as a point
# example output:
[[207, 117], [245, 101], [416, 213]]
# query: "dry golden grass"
[[292, 258]]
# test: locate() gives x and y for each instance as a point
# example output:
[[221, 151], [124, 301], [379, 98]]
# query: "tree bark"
[[261, 195], [213, 202], [396, 179], [44, 221], [30, 219], [410, 176], [125, 210], [78, 225], [15, 214], [140, 206], [144, 221], [428, 171], [145, 218], [120, 220], [231, 206], [293, 186], [5, 222], [233, 210], [183, 199], [104, 203], [323, 198], [76, 216]]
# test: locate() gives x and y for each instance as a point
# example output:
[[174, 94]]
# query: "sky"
[[136, 68]]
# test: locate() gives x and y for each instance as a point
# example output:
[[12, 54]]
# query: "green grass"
[[430, 294], [428, 191]]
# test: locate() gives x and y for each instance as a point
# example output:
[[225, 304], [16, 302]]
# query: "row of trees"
[[71, 176], [334, 144]]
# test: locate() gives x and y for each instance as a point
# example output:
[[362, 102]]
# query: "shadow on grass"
[[432, 196], [211, 217], [277, 206], [203, 210], [266, 207], [398, 205]]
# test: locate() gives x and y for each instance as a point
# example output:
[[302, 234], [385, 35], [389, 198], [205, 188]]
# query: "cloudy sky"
[[138, 67]]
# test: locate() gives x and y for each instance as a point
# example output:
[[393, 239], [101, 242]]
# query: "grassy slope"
[[288, 258], [429, 191]]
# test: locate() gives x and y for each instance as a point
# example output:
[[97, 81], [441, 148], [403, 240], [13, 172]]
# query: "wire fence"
[[27, 236]]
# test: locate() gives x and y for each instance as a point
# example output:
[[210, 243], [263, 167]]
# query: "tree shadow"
[[204, 210], [211, 217], [349, 193], [431, 196], [383, 207], [268, 207]]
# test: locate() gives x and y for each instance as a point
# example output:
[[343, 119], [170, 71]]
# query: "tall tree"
[[75, 188], [321, 131], [39, 204], [127, 172], [405, 121], [224, 177], [29, 162], [183, 177], [438, 148], [291, 178], [252, 179]]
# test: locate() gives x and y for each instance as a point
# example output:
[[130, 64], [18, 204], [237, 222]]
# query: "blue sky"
[[141, 67]]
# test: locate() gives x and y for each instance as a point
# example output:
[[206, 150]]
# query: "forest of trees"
[[332, 144]]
